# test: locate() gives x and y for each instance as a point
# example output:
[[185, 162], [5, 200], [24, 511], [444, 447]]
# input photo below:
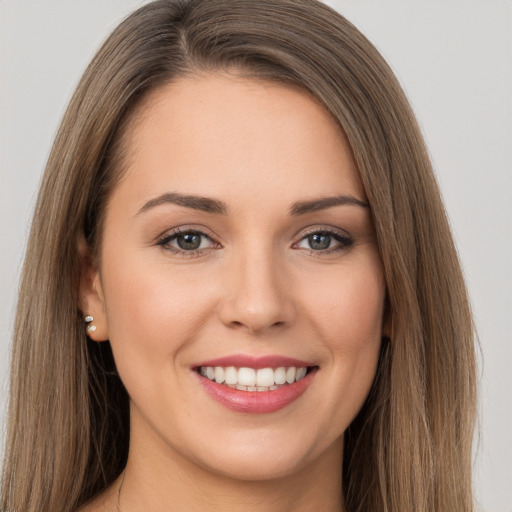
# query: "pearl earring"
[[88, 319]]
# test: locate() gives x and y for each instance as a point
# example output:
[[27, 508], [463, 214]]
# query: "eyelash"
[[344, 240], [166, 240]]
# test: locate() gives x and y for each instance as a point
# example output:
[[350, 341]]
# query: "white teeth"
[[301, 373], [280, 375], [247, 376], [230, 375], [249, 379], [290, 375], [265, 377], [219, 374]]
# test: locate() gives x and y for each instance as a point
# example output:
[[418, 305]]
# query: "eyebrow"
[[302, 207], [209, 205], [204, 204]]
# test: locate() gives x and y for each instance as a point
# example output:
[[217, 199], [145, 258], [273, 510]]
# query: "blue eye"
[[188, 241], [325, 241]]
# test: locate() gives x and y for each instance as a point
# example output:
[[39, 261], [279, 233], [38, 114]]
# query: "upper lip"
[[247, 361]]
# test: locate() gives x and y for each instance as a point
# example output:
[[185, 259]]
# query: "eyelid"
[[164, 239], [185, 228], [323, 228], [345, 239]]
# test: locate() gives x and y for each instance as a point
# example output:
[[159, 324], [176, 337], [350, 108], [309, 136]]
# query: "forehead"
[[232, 137]]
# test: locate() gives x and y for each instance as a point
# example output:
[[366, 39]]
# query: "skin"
[[255, 287]]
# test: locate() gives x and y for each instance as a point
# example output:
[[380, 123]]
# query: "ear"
[[92, 299]]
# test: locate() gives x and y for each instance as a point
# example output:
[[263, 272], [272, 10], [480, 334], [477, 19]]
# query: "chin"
[[264, 456], [258, 468]]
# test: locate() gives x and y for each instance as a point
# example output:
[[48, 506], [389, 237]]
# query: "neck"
[[170, 483]]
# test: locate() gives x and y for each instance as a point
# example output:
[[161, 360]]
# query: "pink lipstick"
[[255, 384]]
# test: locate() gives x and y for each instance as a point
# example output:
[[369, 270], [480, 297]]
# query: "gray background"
[[454, 59]]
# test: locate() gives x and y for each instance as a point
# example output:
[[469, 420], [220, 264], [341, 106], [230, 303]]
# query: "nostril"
[[255, 328], [256, 312]]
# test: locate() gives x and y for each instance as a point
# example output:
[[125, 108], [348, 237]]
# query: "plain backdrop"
[[454, 59]]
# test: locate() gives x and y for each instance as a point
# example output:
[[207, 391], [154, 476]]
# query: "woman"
[[240, 289]]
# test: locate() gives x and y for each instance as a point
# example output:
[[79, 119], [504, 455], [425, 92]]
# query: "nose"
[[257, 296]]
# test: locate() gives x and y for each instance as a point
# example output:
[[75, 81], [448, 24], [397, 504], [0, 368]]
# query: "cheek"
[[349, 320], [153, 312], [347, 306]]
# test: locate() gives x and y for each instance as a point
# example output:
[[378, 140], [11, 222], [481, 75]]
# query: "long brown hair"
[[68, 430]]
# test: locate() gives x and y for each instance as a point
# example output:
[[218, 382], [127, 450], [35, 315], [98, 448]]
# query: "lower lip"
[[256, 402]]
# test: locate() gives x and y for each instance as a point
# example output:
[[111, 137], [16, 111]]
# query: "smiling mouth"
[[252, 379]]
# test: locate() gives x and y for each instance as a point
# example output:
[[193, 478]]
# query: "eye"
[[325, 241], [187, 241]]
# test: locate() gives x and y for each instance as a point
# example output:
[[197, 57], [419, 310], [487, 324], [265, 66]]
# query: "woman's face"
[[239, 237]]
